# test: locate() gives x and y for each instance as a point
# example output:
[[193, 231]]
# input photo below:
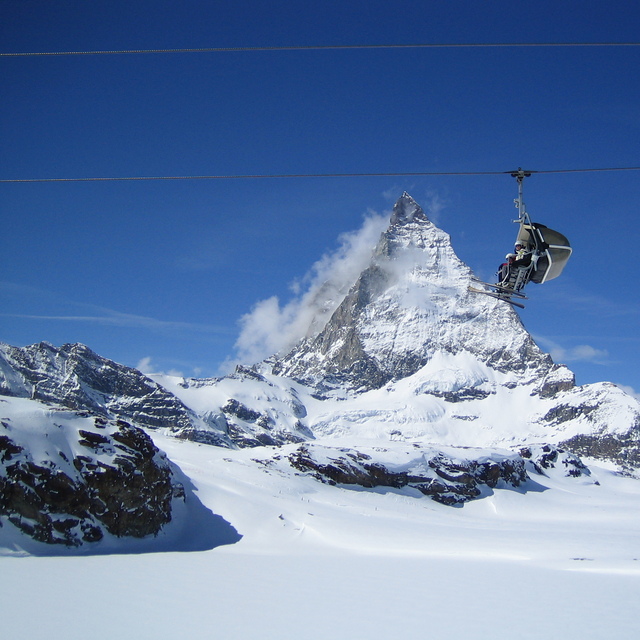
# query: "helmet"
[[519, 244]]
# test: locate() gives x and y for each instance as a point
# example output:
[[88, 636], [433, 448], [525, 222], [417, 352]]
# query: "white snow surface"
[[559, 560], [559, 557], [506, 412]]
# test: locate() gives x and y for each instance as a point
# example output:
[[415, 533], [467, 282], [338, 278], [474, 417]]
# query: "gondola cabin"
[[541, 255], [549, 249]]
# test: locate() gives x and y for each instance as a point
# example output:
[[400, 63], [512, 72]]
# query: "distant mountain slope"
[[77, 378]]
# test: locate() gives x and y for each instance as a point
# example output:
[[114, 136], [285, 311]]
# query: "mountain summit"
[[407, 210], [410, 304]]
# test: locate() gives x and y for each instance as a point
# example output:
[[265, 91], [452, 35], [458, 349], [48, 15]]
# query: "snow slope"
[[317, 560]]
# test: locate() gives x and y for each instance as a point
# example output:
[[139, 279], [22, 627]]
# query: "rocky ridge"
[[75, 377], [448, 475]]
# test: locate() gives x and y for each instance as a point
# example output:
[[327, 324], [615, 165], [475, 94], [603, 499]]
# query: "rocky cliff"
[[71, 478], [74, 377], [77, 378]]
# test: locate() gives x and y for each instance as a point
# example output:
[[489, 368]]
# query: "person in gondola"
[[504, 270], [522, 256]]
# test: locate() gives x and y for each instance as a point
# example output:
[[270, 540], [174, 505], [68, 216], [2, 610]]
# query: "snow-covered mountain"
[[411, 304], [414, 383], [71, 479], [411, 354]]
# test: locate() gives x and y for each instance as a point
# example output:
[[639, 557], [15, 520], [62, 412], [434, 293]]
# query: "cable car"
[[542, 255]]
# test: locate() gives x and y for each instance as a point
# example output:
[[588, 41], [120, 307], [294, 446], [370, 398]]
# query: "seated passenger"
[[504, 270], [522, 256]]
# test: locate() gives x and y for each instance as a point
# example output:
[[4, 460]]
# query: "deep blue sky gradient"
[[164, 270]]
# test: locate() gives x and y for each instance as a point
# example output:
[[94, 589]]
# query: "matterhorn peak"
[[410, 305], [407, 210]]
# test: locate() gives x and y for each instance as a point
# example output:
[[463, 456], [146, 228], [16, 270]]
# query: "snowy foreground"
[[316, 561]]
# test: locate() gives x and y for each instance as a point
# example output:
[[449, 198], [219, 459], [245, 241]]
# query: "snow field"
[[315, 560], [279, 511], [247, 595]]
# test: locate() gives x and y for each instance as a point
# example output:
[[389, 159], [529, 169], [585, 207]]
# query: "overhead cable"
[[395, 174], [328, 47]]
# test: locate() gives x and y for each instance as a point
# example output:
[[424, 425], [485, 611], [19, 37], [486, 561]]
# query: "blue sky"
[[161, 273]]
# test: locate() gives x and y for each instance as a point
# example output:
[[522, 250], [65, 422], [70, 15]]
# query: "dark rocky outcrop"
[[623, 448], [450, 481], [123, 485], [545, 457]]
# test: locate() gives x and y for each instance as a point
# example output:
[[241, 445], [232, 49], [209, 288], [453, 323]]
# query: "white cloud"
[[434, 206], [587, 352], [630, 390], [118, 319], [390, 194], [85, 313], [579, 353], [145, 366], [272, 327]]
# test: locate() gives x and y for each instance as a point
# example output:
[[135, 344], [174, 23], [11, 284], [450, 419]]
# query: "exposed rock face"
[[444, 478], [410, 303], [68, 486], [75, 377], [546, 457], [249, 428], [449, 475], [245, 408], [623, 449]]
